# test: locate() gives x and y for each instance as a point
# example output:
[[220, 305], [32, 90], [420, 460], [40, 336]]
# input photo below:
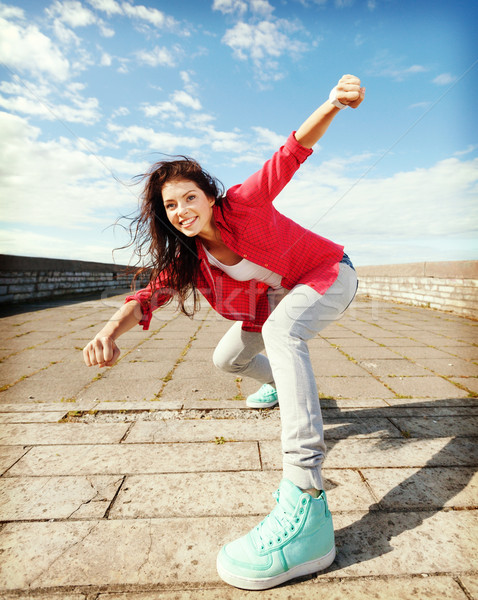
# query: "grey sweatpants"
[[296, 317]]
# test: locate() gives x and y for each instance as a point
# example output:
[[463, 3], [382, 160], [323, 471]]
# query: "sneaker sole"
[[258, 404], [307, 568]]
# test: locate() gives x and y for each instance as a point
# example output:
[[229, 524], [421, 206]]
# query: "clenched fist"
[[101, 351], [349, 91]]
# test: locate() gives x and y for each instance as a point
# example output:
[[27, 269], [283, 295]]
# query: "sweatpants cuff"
[[304, 479]]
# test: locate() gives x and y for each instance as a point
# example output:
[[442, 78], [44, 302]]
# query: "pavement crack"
[[67, 549], [96, 494], [148, 552]]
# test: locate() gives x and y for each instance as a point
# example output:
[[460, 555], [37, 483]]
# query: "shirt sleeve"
[[264, 185], [150, 298]]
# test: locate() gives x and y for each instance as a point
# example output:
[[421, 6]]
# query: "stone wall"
[[26, 279], [449, 286]]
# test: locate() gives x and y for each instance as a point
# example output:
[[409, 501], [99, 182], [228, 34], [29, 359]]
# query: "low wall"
[[448, 286], [27, 279]]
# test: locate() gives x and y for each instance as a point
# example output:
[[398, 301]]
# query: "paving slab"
[[195, 430], [208, 383], [34, 406], [370, 352], [470, 583], [393, 543], [106, 515], [31, 417], [450, 367], [9, 455], [338, 367], [426, 387], [470, 383], [153, 405], [419, 588], [44, 596], [226, 494], [121, 390], [126, 459], [61, 433], [386, 452], [449, 402], [31, 498], [438, 426], [423, 488], [352, 387], [174, 551], [397, 342], [380, 367], [196, 494]]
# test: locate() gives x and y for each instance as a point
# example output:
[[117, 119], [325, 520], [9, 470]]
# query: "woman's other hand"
[[101, 351]]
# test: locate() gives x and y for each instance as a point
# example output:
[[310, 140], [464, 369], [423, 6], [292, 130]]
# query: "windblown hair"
[[159, 246]]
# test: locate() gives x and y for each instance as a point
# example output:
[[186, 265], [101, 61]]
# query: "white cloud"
[[110, 7], [230, 6], [186, 99], [11, 12], [71, 12], [384, 65], [36, 100], [121, 111], [164, 109], [106, 32], [259, 41], [261, 7], [158, 141], [106, 60], [444, 79], [240, 7], [27, 242], [264, 43], [152, 16], [64, 34], [424, 204], [269, 139], [27, 49], [158, 56], [425, 104], [189, 85], [64, 186]]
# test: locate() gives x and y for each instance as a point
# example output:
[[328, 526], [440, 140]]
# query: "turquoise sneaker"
[[296, 539], [265, 397]]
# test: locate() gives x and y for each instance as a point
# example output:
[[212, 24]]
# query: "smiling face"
[[188, 208]]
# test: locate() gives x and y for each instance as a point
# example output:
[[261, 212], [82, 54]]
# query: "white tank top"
[[247, 270]]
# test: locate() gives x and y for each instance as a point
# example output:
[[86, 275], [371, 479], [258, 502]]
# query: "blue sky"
[[93, 91]]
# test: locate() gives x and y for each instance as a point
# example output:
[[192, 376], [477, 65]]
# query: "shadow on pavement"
[[363, 540]]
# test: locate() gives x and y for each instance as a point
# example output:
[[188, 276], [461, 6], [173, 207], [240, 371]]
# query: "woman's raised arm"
[[348, 92]]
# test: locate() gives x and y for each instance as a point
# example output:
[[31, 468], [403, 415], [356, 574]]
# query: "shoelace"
[[274, 527]]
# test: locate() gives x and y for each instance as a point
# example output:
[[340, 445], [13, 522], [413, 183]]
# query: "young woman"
[[282, 284]]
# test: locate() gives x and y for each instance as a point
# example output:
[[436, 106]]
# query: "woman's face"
[[187, 207]]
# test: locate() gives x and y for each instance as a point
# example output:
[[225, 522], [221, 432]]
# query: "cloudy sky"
[[93, 91]]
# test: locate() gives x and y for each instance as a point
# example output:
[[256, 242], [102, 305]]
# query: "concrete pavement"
[[122, 484]]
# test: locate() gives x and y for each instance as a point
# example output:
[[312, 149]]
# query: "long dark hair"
[[158, 245]]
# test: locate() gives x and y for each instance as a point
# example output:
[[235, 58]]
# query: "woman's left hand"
[[349, 91]]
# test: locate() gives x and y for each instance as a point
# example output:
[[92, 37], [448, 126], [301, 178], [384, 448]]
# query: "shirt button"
[[245, 255], [266, 265]]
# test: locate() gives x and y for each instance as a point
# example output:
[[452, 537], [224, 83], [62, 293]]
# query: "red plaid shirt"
[[254, 229]]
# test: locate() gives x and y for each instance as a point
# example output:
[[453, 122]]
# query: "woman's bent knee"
[[225, 363]]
